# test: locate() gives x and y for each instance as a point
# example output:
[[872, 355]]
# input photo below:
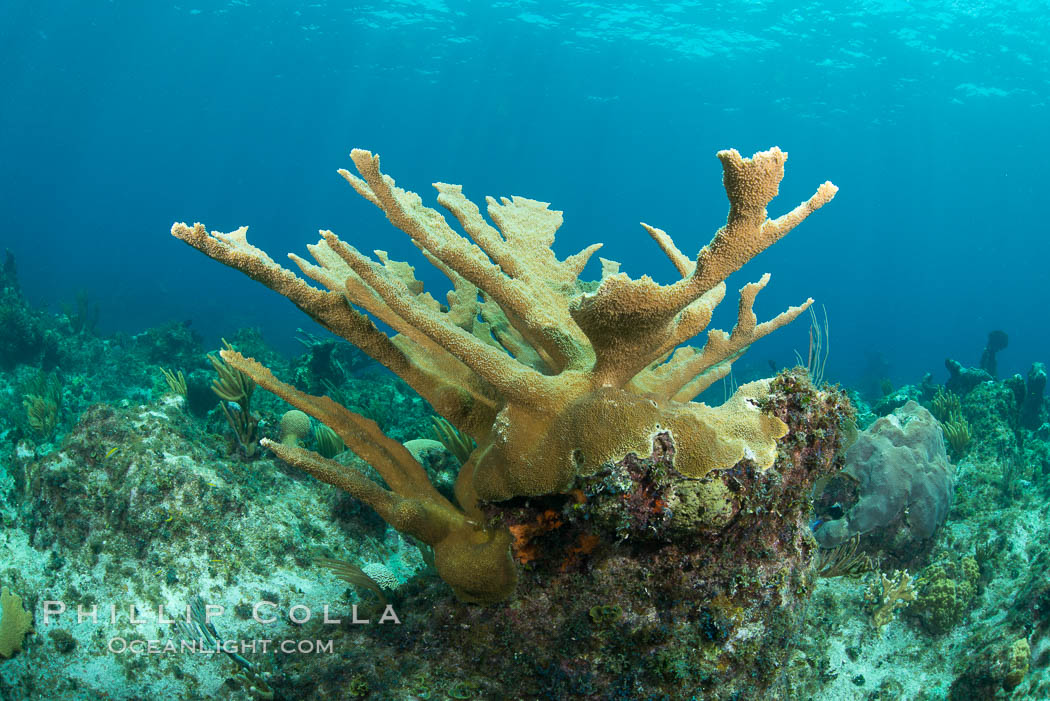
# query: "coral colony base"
[[599, 492]]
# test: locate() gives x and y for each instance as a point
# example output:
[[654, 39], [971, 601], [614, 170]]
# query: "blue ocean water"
[[119, 118]]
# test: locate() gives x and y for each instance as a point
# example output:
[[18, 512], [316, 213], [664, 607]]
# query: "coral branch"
[[472, 558]]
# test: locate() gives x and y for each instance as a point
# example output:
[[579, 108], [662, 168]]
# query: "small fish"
[[112, 450]]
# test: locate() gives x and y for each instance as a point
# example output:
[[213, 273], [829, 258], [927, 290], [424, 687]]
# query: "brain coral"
[[295, 427]]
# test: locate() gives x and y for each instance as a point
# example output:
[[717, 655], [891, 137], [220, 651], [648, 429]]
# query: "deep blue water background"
[[119, 118]]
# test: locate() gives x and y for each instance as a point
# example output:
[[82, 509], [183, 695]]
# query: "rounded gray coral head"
[[903, 479]]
